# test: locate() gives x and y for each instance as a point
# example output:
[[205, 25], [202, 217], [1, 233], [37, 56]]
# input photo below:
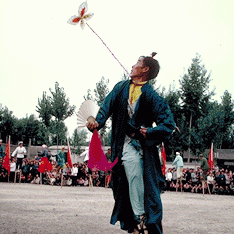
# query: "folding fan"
[[88, 108]]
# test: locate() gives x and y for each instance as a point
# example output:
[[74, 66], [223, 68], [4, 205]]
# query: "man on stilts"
[[137, 177], [179, 164]]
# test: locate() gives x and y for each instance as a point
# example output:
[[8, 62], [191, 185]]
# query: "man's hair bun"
[[153, 54]]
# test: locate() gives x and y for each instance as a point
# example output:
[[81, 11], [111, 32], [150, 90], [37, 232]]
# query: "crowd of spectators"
[[220, 181], [77, 175]]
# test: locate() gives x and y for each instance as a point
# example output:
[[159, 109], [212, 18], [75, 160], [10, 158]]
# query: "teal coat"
[[178, 161], [150, 108]]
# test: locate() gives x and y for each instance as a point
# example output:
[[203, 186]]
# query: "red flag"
[[163, 156], [45, 165], [97, 158], [69, 160], [6, 160], [211, 157]]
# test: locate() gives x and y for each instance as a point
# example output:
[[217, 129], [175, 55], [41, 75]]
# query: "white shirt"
[[210, 179], [20, 151], [74, 171], [168, 176], [12, 166]]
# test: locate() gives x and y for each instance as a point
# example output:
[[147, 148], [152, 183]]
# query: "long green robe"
[[150, 108]]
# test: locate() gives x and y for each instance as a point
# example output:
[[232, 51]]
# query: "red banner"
[[6, 160], [45, 165], [163, 156], [211, 157], [69, 160]]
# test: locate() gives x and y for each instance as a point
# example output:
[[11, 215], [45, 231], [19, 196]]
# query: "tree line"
[[200, 120]]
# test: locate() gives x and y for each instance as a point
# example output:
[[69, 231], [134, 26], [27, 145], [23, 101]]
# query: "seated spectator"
[[52, 180], [23, 178], [25, 168], [94, 177], [210, 181], [57, 180], [80, 181], [3, 176], [199, 188], [45, 178], [231, 187], [29, 178], [194, 188], [227, 190], [194, 177], [187, 187], [216, 189], [221, 190], [69, 181], [86, 181], [172, 186], [98, 183], [102, 178], [36, 180]]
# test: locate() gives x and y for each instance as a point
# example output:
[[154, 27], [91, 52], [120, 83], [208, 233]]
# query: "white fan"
[[88, 108]]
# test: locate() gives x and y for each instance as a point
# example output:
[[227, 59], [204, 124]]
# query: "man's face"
[[138, 69]]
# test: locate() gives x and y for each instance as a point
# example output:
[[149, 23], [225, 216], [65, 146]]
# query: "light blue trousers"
[[133, 165]]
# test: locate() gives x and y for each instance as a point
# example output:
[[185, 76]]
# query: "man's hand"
[[91, 123], [143, 131]]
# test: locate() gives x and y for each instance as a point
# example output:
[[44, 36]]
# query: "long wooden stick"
[[108, 49]]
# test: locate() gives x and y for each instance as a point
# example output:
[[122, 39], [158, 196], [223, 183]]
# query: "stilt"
[[208, 189], [61, 179], [90, 181], [16, 172], [203, 187], [181, 184]]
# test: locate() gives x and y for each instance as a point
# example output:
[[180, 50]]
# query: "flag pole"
[[61, 178], [9, 157], [40, 178]]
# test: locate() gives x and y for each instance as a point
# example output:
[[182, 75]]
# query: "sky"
[[38, 47]]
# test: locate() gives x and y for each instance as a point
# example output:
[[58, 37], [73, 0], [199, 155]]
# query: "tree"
[[44, 109], [195, 91], [53, 110], [89, 95], [60, 105], [101, 92], [58, 132], [227, 109], [209, 127], [178, 140], [61, 110], [7, 122], [195, 97], [28, 128]]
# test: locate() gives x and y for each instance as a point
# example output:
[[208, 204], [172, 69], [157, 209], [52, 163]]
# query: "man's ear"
[[146, 69]]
